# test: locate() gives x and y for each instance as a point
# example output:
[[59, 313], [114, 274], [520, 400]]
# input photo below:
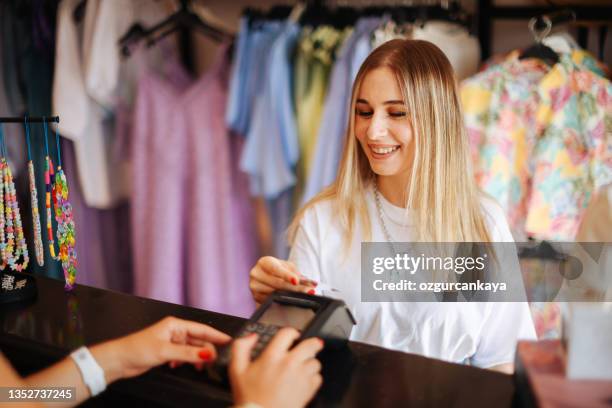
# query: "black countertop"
[[36, 334]]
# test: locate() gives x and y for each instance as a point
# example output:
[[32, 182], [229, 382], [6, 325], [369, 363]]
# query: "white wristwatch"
[[92, 373]]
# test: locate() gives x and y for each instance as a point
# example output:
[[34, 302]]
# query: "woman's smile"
[[382, 152]]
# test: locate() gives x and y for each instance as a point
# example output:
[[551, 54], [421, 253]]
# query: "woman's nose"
[[378, 128]]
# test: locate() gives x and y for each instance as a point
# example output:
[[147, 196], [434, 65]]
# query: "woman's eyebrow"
[[392, 102]]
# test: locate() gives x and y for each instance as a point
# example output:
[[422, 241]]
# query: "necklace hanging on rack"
[[65, 223], [49, 184], [38, 244], [13, 218], [2, 219]]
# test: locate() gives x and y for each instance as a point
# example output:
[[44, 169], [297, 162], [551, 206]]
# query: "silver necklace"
[[380, 215], [381, 218]]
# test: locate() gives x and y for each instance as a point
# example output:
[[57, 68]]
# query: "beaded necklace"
[[65, 223], [2, 219], [49, 184], [13, 218], [38, 244]]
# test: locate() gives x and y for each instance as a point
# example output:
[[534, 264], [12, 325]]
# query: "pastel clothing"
[[499, 107], [540, 140], [573, 156], [334, 119], [313, 64], [193, 243]]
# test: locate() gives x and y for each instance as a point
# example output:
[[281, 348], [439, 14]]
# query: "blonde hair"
[[442, 190]]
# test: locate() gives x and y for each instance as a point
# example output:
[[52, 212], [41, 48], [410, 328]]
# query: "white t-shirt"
[[481, 334]]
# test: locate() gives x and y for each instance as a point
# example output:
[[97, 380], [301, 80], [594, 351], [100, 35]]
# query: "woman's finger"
[[274, 283], [316, 382], [197, 342], [189, 354], [311, 366], [277, 268], [290, 266], [202, 331], [281, 342], [307, 349], [241, 354], [259, 287], [266, 277]]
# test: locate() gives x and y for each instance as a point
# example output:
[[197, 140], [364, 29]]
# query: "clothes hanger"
[[256, 17], [540, 28], [315, 14], [539, 50], [540, 250], [183, 18]]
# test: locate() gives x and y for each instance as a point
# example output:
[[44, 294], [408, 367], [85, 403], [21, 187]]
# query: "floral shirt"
[[573, 155], [500, 109], [540, 139]]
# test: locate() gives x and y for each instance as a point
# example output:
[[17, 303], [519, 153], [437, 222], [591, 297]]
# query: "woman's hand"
[[278, 377], [270, 274], [169, 340]]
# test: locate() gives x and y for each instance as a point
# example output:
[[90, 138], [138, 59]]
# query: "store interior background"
[[507, 36]]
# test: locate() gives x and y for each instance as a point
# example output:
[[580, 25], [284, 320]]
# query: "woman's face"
[[382, 125]]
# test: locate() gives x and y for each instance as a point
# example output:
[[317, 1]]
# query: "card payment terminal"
[[313, 316]]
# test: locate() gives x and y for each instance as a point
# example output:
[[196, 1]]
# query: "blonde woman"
[[405, 176]]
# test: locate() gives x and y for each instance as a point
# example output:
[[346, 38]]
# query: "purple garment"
[[193, 235]]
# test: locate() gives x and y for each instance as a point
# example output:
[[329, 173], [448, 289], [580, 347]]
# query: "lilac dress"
[[193, 236]]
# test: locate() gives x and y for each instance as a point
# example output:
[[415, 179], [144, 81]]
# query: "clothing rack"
[[30, 119], [488, 13]]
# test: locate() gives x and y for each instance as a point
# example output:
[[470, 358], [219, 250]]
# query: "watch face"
[[286, 315]]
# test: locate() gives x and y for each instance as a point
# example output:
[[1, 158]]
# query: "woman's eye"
[[364, 114], [397, 114]]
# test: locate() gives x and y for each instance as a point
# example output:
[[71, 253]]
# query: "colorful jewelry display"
[[66, 236], [12, 219], [13, 247], [38, 244]]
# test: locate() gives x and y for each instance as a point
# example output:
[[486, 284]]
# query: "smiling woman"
[[405, 97], [405, 176], [383, 129]]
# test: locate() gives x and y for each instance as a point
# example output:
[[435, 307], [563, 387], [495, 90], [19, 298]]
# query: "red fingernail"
[[294, 281], [172, 364], [321, 341], [311, 292], [205, 354]]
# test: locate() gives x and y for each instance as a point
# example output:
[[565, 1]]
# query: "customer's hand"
[[278, 377], [270, 274], [169, 340]]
